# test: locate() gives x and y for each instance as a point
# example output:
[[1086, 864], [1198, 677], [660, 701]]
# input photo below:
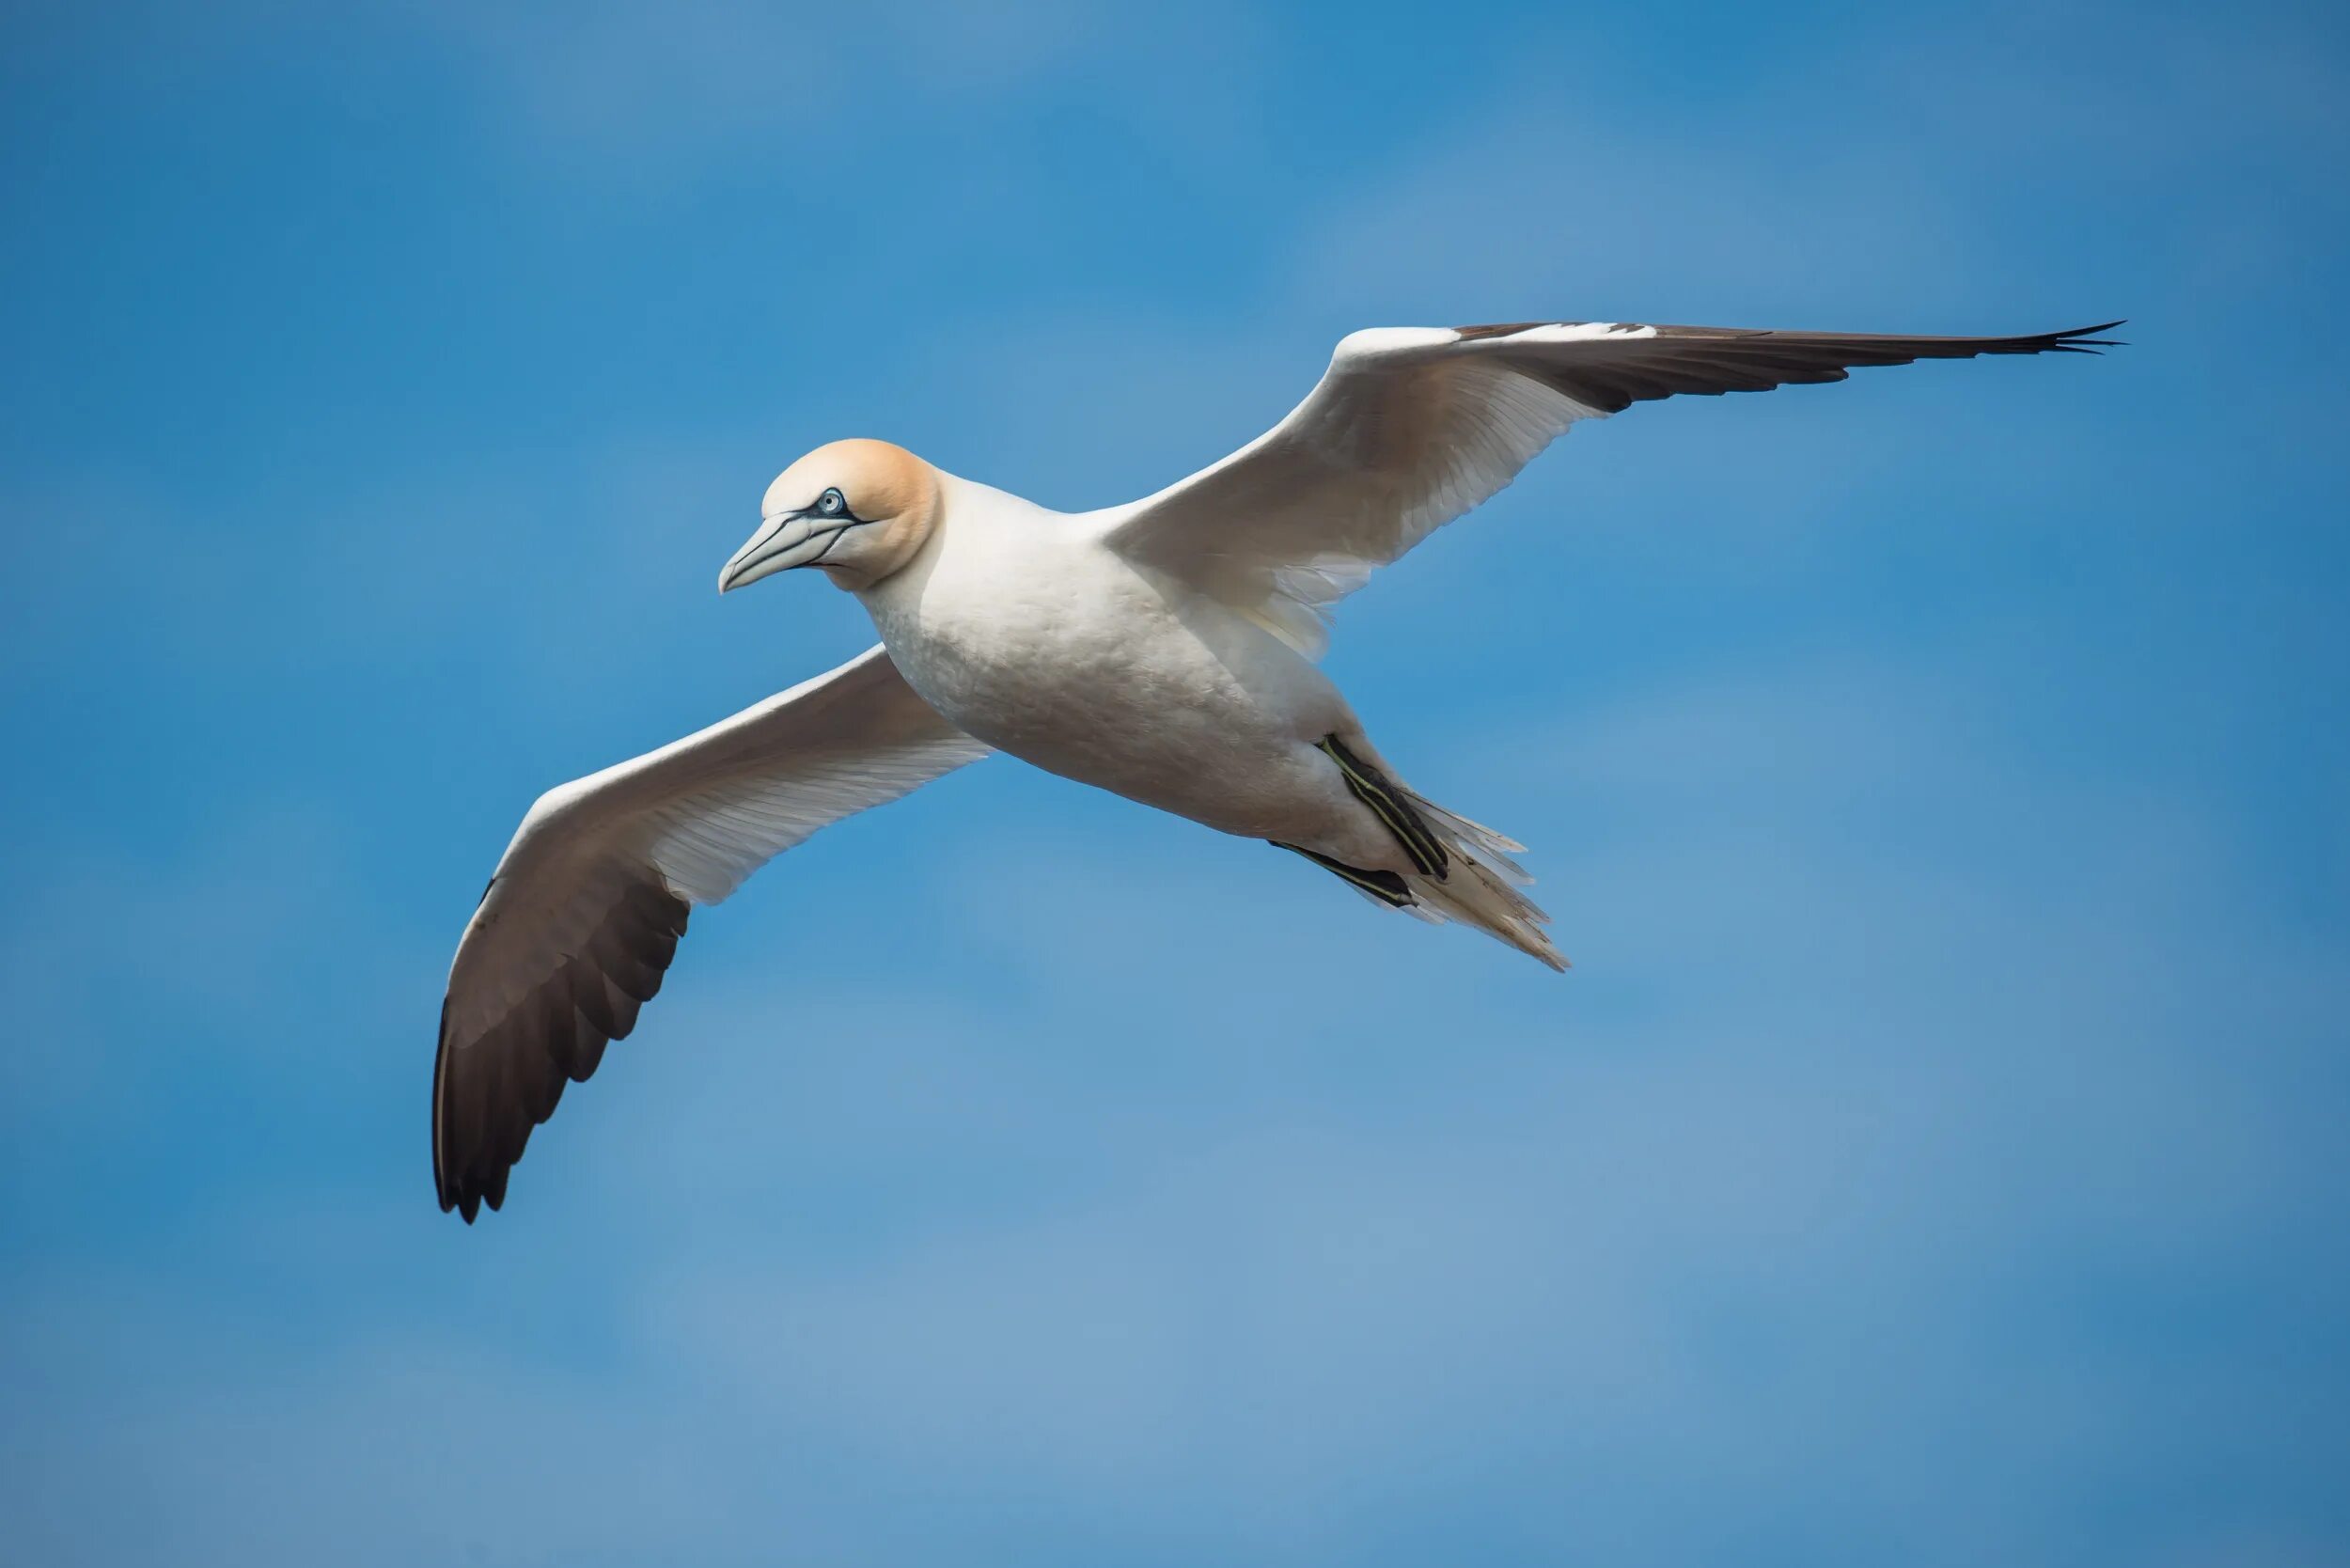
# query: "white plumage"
[[1161, 650]]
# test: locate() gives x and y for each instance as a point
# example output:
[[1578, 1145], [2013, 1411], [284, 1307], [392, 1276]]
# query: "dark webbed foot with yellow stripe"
[[1387, 887], [1450, 869], [1392, 808]]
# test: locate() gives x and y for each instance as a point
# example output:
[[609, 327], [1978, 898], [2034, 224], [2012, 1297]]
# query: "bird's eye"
[[832, 503]]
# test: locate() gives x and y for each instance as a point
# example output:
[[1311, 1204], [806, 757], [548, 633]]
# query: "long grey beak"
[[781, 544]]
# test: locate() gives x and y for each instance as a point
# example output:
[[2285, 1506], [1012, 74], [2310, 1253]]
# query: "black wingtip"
[[2085, 340], [507, 1079]]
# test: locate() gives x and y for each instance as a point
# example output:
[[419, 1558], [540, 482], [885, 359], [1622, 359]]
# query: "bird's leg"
[[1387, 887], [1371, 788]]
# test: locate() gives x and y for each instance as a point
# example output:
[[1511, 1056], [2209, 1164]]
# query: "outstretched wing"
[[1410, 427], [578, 925]]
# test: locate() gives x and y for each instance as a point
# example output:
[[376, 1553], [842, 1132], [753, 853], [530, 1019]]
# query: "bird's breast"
[[1073, 660], [1030, 643]]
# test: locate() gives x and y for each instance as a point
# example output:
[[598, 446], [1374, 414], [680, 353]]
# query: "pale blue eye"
[[832, 503]]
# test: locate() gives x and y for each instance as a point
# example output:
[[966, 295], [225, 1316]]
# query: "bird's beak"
[[781, 544]]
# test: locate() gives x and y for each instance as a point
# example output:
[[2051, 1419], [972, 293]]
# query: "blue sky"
[[1934, 1157]]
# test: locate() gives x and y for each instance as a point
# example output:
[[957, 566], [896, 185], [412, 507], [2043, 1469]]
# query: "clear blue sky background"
[[1936, 1157]]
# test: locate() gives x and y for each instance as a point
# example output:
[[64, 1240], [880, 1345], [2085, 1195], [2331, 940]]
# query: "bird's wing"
[[577, 926], [1410, 427]]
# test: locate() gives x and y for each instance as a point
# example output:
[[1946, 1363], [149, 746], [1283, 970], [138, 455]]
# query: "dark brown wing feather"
[[1610, 374], [487, 1097]]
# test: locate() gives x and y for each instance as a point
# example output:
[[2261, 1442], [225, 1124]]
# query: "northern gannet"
[[1163, 650]]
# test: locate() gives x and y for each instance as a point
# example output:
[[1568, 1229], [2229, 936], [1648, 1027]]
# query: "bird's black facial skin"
[[834, 507]]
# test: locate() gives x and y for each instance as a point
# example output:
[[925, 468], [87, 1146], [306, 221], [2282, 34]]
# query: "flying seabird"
[[1163, 650]]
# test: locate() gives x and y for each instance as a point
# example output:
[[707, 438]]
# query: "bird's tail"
[[1479, 883]]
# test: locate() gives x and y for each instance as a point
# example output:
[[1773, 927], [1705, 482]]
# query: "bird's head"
[[861, 510]]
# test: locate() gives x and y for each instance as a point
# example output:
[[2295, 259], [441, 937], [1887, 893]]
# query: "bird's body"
[[1163, 650], [1025, 629]]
